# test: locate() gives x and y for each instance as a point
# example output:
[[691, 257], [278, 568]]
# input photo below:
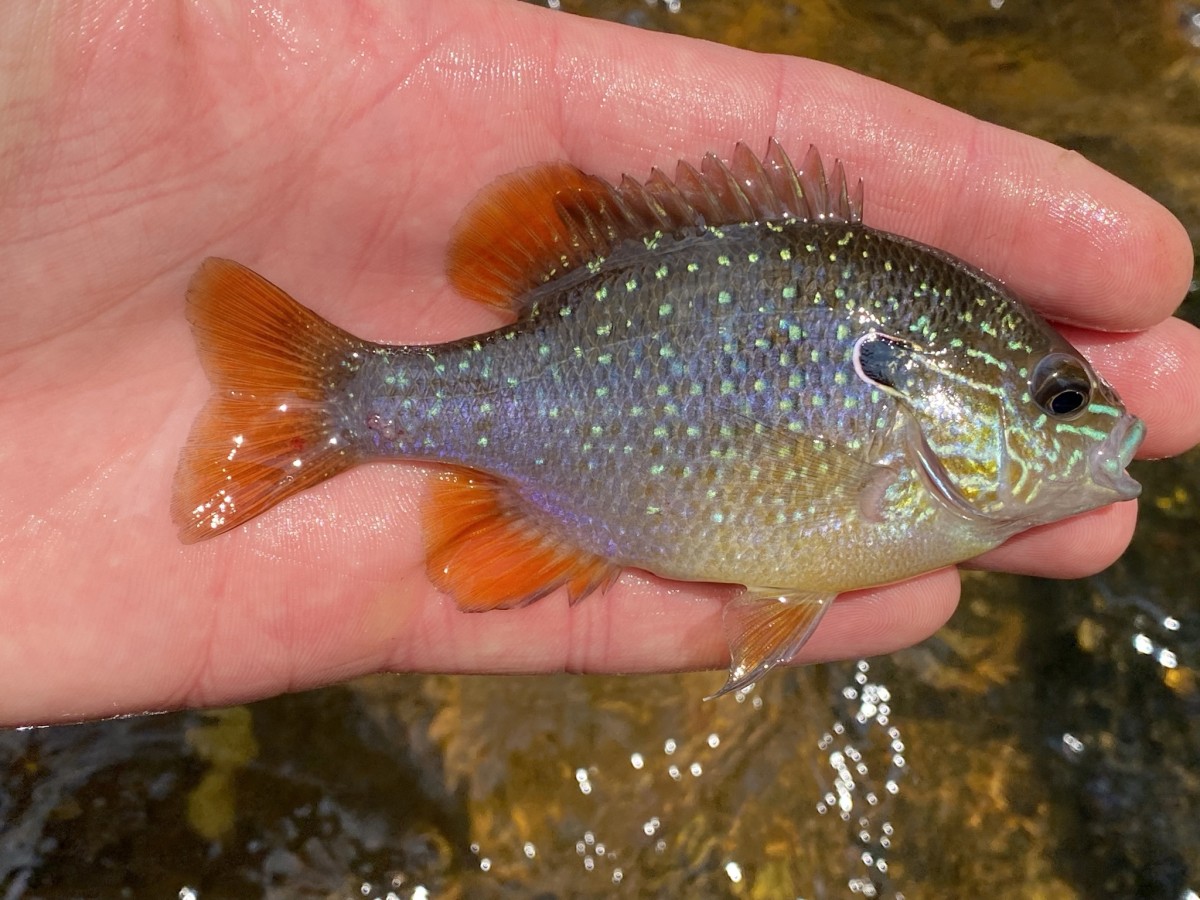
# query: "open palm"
[[332, 148]]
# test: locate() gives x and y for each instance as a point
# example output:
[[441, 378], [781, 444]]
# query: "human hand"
[[332, 148]]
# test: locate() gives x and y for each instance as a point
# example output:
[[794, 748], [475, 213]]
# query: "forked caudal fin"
[[267, 431]]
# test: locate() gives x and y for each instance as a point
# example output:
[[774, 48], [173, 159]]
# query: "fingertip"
[[1075, 548], [882, 620]]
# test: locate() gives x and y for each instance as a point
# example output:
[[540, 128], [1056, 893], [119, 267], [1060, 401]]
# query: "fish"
[[725, 376]]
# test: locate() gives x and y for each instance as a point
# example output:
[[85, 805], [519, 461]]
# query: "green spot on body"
[[662, 390], [785, 254], [660, 431], [604, 330], [637, 411], [656, 469], [565, 312], [789, 292], [602, 293], [752, 258], [693, 431], [661, 272], [693, 267], [482, 442], [845, 239], [724, 298], [631, 285], [602, 391], [664, 309], [726, 387], [722, 260], [759, 385], [544, 350]]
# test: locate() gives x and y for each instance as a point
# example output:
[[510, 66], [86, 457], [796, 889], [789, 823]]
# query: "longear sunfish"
[[725, 377]]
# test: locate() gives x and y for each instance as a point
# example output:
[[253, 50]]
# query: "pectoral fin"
[[765, 628]]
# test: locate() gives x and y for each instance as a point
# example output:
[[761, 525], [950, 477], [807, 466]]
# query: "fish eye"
[[1061, 386]]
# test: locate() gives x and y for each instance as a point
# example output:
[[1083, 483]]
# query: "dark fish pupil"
[[1067, 402]]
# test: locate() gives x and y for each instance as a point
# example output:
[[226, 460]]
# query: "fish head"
[[1016, 431]]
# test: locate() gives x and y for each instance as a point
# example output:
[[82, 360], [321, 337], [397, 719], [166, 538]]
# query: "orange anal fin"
[[766, 628], [484, 551], [267, 431]]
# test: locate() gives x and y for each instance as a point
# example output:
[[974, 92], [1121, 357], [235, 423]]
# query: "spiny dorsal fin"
[[537, 224], [483, 550]]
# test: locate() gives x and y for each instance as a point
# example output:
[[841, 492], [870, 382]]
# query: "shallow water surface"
[[1046, 743]]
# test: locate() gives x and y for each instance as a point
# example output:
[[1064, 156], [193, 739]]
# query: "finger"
[[1074, 240], [644, 624], [1074, 548]]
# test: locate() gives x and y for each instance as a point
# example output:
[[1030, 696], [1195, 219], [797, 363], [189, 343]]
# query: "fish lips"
[[1109, 459]]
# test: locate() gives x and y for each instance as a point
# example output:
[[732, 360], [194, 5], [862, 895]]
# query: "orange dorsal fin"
[[537, 224], [266, 431], [482, 548]]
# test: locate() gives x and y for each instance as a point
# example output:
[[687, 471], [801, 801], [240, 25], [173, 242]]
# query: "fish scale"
[[726, 377]]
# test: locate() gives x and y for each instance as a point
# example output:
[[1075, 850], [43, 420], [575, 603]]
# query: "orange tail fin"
[[268, 430]]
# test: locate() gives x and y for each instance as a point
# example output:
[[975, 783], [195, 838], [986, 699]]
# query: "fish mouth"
[[1108, 461]]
